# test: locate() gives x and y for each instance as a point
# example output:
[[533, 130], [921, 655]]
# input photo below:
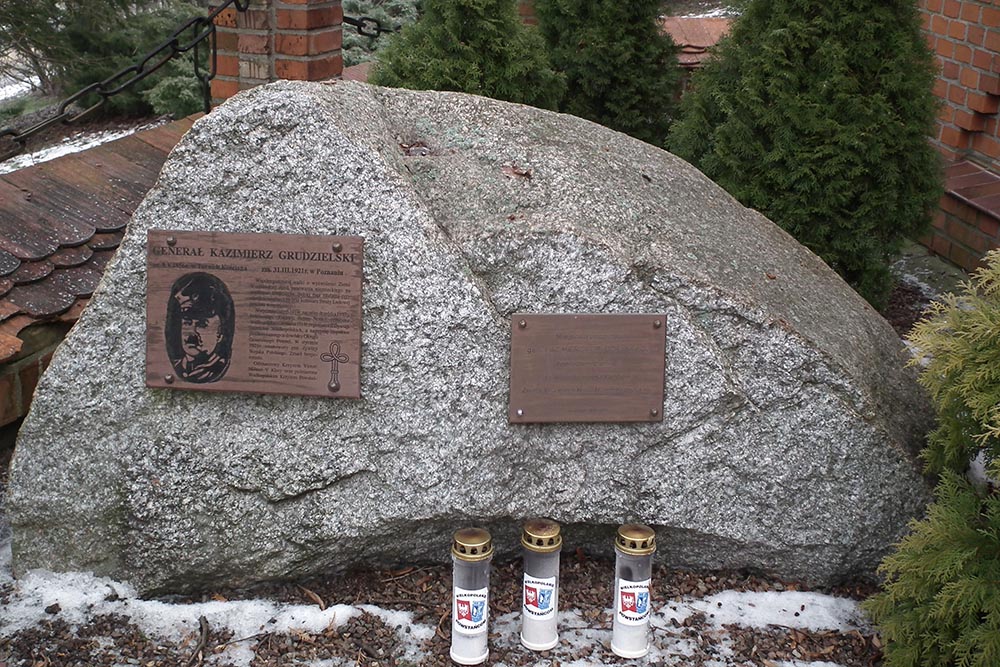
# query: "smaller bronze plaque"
[[586, 368], [262, 313]]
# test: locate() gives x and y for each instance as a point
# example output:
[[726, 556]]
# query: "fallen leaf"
[[312, 596]]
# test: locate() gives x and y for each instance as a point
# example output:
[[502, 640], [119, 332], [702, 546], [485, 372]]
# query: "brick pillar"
[[277, 39], [526, 9]]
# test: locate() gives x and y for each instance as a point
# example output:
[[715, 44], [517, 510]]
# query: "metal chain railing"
[[194, 35]]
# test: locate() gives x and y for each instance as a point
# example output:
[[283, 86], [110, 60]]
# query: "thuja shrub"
[[471, 46], [960, 338], [621, 69], [109, 36], [817, 114], [940, 605]]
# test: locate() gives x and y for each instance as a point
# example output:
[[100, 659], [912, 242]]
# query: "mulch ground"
[[425, 591], [905, 307]]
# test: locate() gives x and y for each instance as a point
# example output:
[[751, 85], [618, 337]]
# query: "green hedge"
[[471, 46], [621, 70], [818, 114]]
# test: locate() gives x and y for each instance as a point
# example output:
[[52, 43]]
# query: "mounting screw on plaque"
[[337, 247], [520, 412], [171, 241], [522, 324], [654, 413], [168, 378], [657, 324], [334, 387]]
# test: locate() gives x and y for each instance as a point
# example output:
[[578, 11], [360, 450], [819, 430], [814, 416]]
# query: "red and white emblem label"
[[539, 601], [632, 604]]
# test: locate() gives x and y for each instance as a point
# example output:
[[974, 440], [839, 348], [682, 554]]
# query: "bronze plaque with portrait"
[[586, 368], [262, 313]]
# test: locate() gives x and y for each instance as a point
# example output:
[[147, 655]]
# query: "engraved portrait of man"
[[201, 320]]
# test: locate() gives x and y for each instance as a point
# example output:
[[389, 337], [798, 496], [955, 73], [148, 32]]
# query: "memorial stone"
[[790, 429]]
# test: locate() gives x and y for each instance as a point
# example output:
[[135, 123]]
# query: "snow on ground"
[[790, 609], [720, 13], [82, 596], [80, 141], [9, 88]]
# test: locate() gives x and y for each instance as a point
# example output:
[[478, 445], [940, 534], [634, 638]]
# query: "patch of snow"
[[9, 89], [979, 471], [790, 609], [74, 144], [720, 13], [912, 279], [82, 596]]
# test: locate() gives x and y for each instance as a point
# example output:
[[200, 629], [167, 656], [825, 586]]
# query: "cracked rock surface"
[[790, 428]]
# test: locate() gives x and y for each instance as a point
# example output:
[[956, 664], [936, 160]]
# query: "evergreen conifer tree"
[[940, 606], [391, 14], [471, 46], [621, 69], [68, 45], [817, 114]]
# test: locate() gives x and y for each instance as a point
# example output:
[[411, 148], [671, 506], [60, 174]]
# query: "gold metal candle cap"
[[635, 539], [472, 544], [541, 536]]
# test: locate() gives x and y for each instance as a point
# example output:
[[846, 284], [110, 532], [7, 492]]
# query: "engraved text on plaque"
[[263, 313]]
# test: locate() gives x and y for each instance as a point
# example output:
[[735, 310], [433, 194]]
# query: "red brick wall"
[[965, 38], [277, 39], [961, 233], [526, 9]]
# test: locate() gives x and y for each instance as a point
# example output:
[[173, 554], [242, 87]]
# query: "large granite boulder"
[[790, 427]]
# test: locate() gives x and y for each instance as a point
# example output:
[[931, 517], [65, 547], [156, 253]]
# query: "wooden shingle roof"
[[61, 221]]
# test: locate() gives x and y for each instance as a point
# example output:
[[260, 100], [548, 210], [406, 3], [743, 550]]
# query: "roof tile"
[[66, 257], [31, 272], [108, 241], [80, 281], [8, 263], [41, 300], [694, 36], [9, 345]]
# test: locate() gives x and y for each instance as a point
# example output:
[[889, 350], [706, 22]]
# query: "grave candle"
[[540, 594], [471, 552], [634, 547]]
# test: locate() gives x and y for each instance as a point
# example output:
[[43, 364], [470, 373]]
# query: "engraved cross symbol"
[[335, 358]]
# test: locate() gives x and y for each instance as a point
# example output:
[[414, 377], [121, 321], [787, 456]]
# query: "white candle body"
[[630, 631], [470, 608], [540, 600]]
